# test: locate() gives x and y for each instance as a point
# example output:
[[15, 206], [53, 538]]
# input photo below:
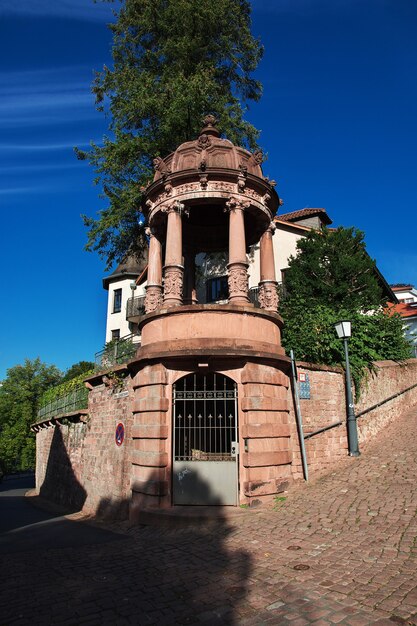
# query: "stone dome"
[[209, 151], [202, 177]]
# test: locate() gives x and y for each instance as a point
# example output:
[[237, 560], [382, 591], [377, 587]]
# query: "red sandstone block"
[[268, 444], [150, 445], [150, 487], [149, 459], [149, 431], [258, 373], [262, 459], [150, 418], [150, 404], [263, 488], [253, 431], [260, 403], [151, 375], [150, 391]]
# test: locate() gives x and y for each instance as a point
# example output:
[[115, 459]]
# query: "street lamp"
[[344, 331]]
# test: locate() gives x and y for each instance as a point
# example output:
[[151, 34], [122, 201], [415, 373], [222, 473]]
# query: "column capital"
[[271, 228], [236, 203], [175, 206]]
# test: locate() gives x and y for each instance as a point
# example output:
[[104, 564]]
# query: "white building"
[[407, 308], [121, 285]]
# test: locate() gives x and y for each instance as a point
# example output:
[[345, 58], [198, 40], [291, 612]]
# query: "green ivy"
[[62, 389]]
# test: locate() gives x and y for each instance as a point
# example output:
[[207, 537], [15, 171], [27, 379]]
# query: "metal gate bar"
[[204, 418]]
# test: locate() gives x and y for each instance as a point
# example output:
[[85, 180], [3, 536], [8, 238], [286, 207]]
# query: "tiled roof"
[[402, 287], [404, 309], [302, 213]]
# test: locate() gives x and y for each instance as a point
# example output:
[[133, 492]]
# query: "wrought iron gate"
[[205, 435]]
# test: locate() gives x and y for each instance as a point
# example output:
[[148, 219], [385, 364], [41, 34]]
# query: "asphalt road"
[[24, 527]]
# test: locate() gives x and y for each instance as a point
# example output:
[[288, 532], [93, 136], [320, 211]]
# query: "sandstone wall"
[[327, 405], [79, 465]]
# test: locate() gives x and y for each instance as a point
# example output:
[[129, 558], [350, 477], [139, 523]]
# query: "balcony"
[[135, 308], [117, 352]]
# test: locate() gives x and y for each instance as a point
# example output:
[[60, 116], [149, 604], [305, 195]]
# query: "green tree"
[[333, 268], [173, 62], [19, 397], [333, 278], [76, 370]]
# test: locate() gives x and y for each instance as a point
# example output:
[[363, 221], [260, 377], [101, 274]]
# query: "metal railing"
[[116, 352], [68, 402], [135, 307]]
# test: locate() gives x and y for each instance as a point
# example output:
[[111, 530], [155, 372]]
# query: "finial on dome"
[[210, 122]]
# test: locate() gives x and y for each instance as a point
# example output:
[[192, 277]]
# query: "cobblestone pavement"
[[340, 550]]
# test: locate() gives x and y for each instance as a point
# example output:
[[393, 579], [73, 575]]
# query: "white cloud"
[[44, 97], [71, 9]]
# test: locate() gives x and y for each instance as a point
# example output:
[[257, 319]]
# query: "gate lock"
[[234, 450]]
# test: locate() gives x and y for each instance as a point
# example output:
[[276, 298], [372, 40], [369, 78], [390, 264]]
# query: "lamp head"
[[343, 329]]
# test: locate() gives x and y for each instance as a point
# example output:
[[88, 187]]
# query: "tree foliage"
[[332, 278], [19, 398], [173, 62], [78, 370], [333, 268]]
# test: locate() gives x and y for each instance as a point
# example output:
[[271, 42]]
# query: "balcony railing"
[[116, 352], [135, 308], [69, 402]]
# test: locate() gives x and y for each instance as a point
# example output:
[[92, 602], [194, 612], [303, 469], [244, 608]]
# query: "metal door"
[[205, 436]]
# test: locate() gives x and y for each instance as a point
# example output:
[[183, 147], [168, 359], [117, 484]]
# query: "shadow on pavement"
[[25, 528]]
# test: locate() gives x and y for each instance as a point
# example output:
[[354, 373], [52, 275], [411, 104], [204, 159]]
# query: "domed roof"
[[209, 151]]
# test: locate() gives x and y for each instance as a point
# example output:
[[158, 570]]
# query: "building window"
[[115, 334], [117, 300], [217, 289]]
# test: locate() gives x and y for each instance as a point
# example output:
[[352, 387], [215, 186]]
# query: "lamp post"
[[344, 331]]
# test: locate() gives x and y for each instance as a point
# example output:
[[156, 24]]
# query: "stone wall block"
[[257, 373], [149, 445], [144, 405], [150, 431], [276, 444], [151, 375], [150, 391], [150, 418], [149, 459], [262, 459], [262, 403], [264, 488], [150, 487], [268, 429]]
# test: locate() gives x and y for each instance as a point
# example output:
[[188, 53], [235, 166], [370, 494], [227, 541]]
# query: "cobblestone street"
[[340, 550]]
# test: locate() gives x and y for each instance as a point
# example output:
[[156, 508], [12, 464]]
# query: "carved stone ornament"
[[268, 295], [237, 281], [236, 203], [153, 298], [173, 281], [209, 120], [203, 141], [258, 155], [176, 206], [271, 228], [160, 166]]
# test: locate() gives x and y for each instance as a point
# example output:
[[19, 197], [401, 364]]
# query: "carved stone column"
[[190, 292], [237, 267], [153, 298], [173, 269], [268, 295]]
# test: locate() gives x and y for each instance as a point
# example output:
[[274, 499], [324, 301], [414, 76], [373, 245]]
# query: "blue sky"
[[338, 120]]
